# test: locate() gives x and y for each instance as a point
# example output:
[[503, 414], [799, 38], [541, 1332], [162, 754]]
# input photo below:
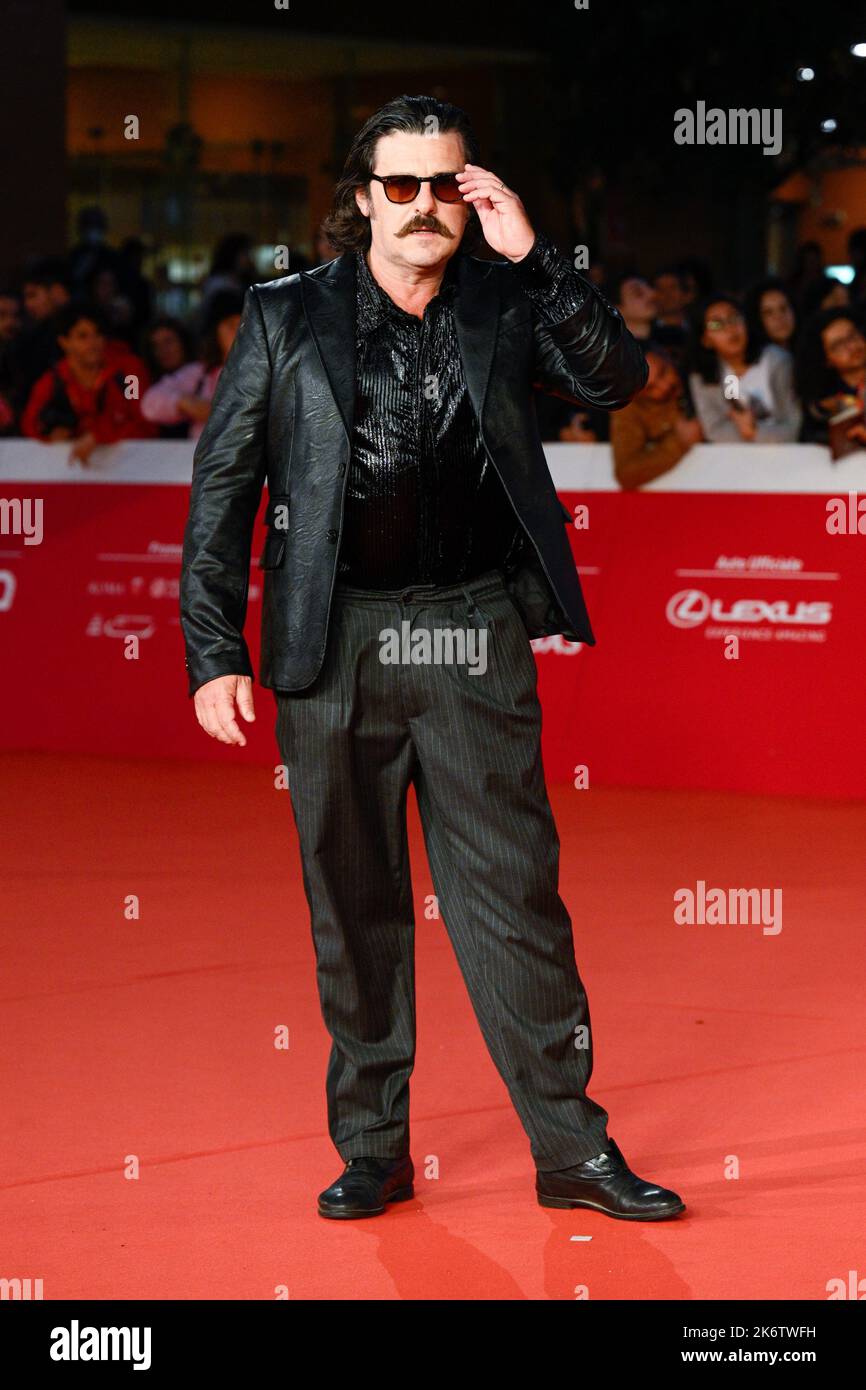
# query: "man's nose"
[[425, 202]]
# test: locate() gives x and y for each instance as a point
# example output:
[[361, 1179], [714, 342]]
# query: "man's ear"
[[362, 198]]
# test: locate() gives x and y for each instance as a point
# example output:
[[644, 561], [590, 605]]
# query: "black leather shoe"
[[607, 1184], [366, 1185]]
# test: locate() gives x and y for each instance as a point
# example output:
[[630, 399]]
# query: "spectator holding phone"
[[741, 394]]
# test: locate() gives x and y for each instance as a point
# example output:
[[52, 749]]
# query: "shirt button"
[[332, 535]]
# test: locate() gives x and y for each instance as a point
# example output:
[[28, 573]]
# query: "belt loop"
[[472, 609]]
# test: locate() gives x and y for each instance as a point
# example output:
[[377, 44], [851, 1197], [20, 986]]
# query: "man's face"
[[392, 224], [84, 345], [844, 345], [10, 319], [638, 301], [671, 295], [41, 301], [662, 383], [38, 302]]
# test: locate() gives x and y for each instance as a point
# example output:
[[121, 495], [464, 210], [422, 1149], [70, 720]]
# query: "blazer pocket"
[[277, 520], [273, 550]]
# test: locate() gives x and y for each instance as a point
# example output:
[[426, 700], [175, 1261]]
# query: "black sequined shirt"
[[424, 503]]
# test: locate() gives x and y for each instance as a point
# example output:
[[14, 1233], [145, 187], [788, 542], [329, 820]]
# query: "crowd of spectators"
[[782, 362], [86, 357], [88, 354]]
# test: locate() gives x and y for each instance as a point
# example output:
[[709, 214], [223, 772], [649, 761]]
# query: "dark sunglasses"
[[404, 188]]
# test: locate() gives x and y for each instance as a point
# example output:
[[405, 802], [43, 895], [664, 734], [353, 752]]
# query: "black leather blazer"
[[282, 413]]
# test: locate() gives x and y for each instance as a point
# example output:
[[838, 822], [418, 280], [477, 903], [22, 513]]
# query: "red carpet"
[[154, 1038]]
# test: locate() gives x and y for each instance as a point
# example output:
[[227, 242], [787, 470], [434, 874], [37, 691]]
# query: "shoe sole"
[[566, 1203], [401, 1194]]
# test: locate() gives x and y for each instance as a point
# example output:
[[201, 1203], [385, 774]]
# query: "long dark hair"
[[225, 304], [753, 300], [345, 226], [704, 360], [174, 326]]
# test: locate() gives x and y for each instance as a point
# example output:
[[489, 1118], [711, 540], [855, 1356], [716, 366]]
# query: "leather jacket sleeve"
[[589, 357], [229, 468]]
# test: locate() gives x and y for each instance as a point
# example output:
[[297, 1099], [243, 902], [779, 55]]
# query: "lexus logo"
[[691, 607]]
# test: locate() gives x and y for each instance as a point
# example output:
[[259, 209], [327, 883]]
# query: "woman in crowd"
[[770, 314], [85, 397], [167, 348], [183, 397], [831, 374], [741, 393]]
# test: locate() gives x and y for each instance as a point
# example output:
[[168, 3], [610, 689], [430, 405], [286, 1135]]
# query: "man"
[[672, 297], [644, 309], [386, 398], [672, 327], [86, 397], [638, 303], [46, 290], [651, 435]]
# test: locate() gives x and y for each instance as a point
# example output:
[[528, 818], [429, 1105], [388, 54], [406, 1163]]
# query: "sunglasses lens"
[[447, 189], [401, 188]]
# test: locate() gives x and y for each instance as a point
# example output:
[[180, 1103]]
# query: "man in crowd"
[[45, 291], [638, 302], [91, 396], [650, 436], [672, 326]]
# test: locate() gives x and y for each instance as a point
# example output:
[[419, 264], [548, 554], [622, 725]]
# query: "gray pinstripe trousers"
[[352, 742]]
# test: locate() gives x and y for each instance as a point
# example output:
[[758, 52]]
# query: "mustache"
[[426, 224]]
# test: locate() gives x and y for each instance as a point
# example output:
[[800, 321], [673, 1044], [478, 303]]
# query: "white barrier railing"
[[744, 468]]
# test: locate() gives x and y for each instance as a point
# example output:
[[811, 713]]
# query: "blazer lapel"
[[328, 297], [476, 321]]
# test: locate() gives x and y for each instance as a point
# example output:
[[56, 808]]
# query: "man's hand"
[[503, 218], [215, 707]]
